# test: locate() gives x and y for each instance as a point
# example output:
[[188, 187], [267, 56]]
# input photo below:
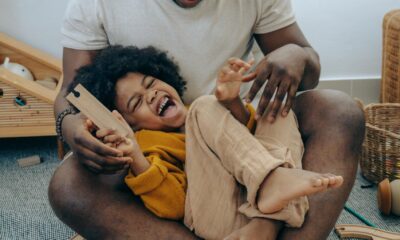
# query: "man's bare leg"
[[332, 126], [286, 184], [101, 207]]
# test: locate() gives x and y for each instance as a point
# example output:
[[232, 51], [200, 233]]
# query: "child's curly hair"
[[115, 62]]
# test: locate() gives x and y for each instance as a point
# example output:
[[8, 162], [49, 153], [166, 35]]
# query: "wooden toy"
[[77, 237], [17, 69], [94, 110], [364, 232], [26, 107], [389, 197], [29, 161]]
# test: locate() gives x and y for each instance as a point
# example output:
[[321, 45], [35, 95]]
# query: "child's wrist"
[[139, 165], [228, 103]]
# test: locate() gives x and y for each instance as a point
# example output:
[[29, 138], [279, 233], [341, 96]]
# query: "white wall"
[[346, 33], [35, 22]]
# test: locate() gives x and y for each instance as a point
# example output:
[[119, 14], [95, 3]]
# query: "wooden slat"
[[95, 111], [29, 52], [29, 131], [30, 87]]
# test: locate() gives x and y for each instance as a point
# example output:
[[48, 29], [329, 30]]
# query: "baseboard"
[[366, 89]]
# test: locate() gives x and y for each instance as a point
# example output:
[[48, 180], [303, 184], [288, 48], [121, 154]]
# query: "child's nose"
[[152, 96]]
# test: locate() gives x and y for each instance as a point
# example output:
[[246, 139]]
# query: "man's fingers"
[[277, 103], [87, 155], [255, 87], [266, 96], [100, 162], [97, 146], [116, 161], [262, 76], [92, 166], [289, 100], [90, 126], [115, 170]]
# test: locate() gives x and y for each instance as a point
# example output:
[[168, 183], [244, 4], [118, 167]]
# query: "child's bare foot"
[[257, 228], [285, 184]]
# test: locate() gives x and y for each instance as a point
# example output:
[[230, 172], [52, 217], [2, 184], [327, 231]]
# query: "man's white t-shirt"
[[199, 39]]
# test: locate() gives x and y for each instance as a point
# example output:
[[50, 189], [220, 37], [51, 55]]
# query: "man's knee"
[[330, 110], [60, 193]]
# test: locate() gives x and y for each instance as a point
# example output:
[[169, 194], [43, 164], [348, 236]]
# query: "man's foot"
[[257, 228], [286, 184]]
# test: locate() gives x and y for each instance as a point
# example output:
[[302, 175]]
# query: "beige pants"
[[226, 164]]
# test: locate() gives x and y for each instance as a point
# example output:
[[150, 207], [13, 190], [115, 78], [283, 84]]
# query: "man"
[[200, 35]]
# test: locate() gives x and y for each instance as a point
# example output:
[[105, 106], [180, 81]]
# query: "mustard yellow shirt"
[[162, 187]]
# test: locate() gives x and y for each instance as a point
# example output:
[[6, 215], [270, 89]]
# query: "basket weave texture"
[[380, 157], [390, 84]]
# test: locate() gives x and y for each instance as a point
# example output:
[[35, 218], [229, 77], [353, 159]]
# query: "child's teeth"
[[162, 105]]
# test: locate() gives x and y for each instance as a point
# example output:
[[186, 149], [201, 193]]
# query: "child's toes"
[[317, 182]]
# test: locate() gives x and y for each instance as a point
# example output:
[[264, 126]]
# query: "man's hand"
[[284, 69], [92, 153]]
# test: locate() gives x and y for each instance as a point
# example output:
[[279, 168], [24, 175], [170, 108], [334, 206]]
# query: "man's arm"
[[90, 151], [290, 64], [72, 60]]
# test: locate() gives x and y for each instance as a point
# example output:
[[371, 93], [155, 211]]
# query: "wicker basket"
[[390, 84], [381, 148]]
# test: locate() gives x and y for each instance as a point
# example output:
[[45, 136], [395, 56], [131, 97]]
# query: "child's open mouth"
[[166, 107]]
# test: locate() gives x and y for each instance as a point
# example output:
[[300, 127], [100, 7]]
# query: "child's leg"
[[213, 194], [296, 182], [220, 151], [282, 134]]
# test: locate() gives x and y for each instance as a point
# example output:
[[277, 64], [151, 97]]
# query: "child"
[[231, 177]]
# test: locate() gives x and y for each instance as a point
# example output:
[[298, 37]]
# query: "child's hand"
[[123, 122], [230, 77], [127, 144], [115, 140]]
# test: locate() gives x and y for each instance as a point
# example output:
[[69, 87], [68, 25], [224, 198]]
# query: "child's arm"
[[227, 91], [128, 145], [160, 184]]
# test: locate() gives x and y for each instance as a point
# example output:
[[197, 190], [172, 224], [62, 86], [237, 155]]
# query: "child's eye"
[[136, 104], [151, 83]]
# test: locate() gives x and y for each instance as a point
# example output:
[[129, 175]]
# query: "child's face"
[[148, 103]]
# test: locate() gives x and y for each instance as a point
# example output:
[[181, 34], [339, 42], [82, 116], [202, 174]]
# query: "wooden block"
[[83, 100], [47, 83], [77, 237], [29, 161]]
